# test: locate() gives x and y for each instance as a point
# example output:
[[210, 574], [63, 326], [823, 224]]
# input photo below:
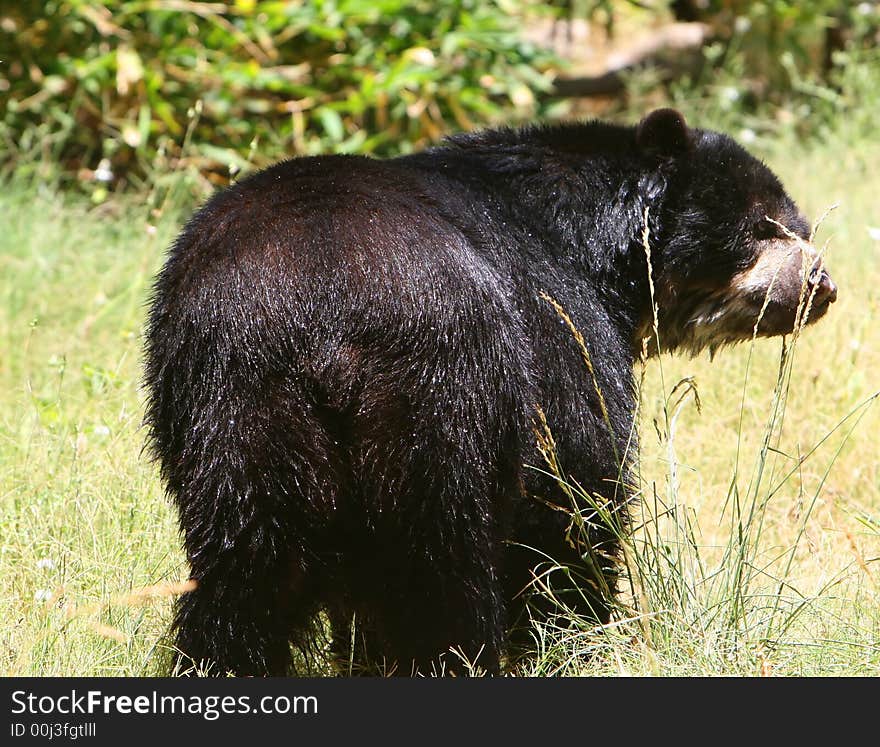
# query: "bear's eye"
[[766, 229]]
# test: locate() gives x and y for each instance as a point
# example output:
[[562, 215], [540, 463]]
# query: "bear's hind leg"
[[436, 484], [240, 616], [254, 504], [434, 623]]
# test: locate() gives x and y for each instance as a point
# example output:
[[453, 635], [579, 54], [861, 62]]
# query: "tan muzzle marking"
[[776, 259]]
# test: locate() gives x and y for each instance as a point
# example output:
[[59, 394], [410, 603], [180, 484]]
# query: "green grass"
[[790, 589], [82, 515]]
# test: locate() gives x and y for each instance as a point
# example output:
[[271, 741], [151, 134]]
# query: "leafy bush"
[[777, 71], [770, 38], [125, 84]]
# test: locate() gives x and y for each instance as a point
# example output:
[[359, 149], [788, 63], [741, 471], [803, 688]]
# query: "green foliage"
[[769, 68], [776, 70], [770, 38], [119, 87]]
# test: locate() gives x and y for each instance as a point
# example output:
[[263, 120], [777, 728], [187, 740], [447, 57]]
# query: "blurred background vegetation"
[[110, 94]]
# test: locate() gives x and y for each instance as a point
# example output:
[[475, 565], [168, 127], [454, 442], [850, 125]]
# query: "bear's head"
[[735, 256]]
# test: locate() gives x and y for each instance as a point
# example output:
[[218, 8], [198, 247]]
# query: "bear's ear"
[[664, 133]]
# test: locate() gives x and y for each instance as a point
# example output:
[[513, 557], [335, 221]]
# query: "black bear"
[[349, 362]]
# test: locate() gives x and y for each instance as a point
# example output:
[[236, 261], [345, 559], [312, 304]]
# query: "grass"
[[759, 529], [82, 516]]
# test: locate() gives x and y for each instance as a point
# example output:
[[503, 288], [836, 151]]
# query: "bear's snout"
[[822, 287]]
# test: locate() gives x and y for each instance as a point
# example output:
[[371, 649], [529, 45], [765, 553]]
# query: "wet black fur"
[[345, 360]]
